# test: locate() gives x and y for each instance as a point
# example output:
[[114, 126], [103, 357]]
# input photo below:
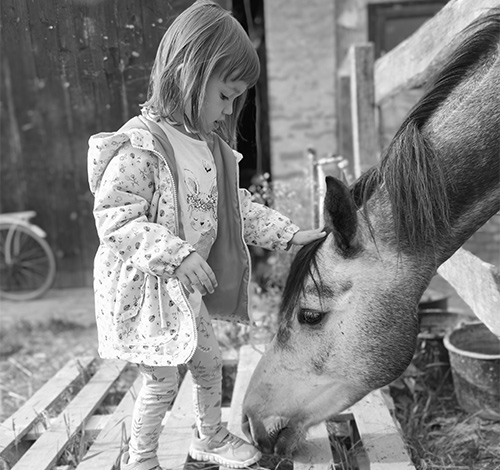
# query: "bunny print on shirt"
[[202, 212]]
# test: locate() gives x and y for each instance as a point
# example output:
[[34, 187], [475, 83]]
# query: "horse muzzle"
[[275, 436]]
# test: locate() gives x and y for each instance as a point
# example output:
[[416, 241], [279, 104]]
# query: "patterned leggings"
[[159, 387]]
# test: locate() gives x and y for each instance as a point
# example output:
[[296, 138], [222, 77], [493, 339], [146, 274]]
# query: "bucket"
[[436, 323], [432, 299], [475, 366]]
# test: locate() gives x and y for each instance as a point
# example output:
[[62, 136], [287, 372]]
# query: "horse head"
[[348, 325], [348, 317]]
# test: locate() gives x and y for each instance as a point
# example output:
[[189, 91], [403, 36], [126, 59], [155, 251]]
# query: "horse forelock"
[[303, 265], [410, 172]]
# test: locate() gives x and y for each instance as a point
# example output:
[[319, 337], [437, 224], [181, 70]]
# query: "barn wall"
[[301, 70], [69, 69]]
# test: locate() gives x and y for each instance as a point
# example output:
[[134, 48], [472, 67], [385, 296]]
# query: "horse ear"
[[340, 214]]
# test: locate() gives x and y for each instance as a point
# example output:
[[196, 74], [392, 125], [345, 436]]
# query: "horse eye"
[[310, 317]]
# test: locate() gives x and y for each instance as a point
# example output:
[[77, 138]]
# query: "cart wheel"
[[27, 263]]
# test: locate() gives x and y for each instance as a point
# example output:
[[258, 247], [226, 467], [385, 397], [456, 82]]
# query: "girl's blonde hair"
[[203, 40]]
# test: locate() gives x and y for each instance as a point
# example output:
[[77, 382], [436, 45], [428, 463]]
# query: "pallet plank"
[[45, 451], [13, 429], [248, 359], [177, 432], [92, 427], [380, 435], [317, 453], [106, 449]]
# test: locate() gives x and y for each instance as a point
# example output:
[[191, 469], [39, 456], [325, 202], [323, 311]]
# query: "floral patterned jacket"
[[143, 314]]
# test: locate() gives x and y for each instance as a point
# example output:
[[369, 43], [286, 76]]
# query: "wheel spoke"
[[31, 267]]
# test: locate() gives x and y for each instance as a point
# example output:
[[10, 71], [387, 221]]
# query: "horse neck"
[[464, 131]]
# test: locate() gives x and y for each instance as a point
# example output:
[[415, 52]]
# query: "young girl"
[[173, 225]]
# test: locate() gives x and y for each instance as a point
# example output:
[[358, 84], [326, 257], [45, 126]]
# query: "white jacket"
[[132, 176]]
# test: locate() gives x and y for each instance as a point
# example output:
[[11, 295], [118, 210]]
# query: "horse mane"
[[409, 170]]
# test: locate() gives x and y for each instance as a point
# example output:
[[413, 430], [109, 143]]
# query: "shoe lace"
[[233, 440]]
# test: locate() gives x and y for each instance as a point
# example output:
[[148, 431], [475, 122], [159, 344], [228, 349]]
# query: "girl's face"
[[219, 99]]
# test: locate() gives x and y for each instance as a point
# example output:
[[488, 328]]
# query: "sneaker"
[[150, 464], [224, 448]]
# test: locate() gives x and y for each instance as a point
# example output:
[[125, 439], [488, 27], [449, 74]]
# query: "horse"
[[348, 319]]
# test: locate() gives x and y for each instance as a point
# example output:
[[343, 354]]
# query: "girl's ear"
[[340, 215]]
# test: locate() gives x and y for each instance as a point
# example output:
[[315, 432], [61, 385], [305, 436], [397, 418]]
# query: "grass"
[[439, 435]]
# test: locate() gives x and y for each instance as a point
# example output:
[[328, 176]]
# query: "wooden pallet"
[[31, 440]]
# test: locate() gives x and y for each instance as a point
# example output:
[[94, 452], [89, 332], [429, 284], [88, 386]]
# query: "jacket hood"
[[104, 146]]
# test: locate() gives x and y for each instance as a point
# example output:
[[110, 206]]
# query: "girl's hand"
[[194, 272], [303, 237]]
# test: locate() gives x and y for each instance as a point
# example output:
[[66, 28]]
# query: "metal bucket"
[[433, 300], [475, 365]]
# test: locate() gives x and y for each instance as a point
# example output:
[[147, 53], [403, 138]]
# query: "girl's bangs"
[[241, 63]]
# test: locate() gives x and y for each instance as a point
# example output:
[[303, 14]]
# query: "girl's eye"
[[310, 317], [223, 97]]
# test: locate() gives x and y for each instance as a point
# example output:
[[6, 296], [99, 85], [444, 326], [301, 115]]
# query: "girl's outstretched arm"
[[303, 237]]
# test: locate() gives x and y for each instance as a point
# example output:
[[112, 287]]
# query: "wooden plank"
[[412, 62], [364, 130], [176, 436], [379, 434], [45, 451], [106, 449], [316, 453], [13, 429], [92, 427], [477, 283], [249, 357]]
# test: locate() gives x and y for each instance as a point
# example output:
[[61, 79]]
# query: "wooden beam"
[[477, 283], [13, 429], [345, 126], [106, 448], [412, 62], [175, 438], [380, 435], [364, 130], [43, 454]]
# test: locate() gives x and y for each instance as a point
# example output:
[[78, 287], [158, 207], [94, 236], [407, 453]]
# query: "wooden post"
[[345, 120], [364, 130], [313, 186]]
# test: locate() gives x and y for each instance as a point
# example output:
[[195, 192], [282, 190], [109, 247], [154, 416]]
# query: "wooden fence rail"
[[412, 62]]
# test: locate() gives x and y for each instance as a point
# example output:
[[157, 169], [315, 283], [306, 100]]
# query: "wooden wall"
[[69, 69]]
